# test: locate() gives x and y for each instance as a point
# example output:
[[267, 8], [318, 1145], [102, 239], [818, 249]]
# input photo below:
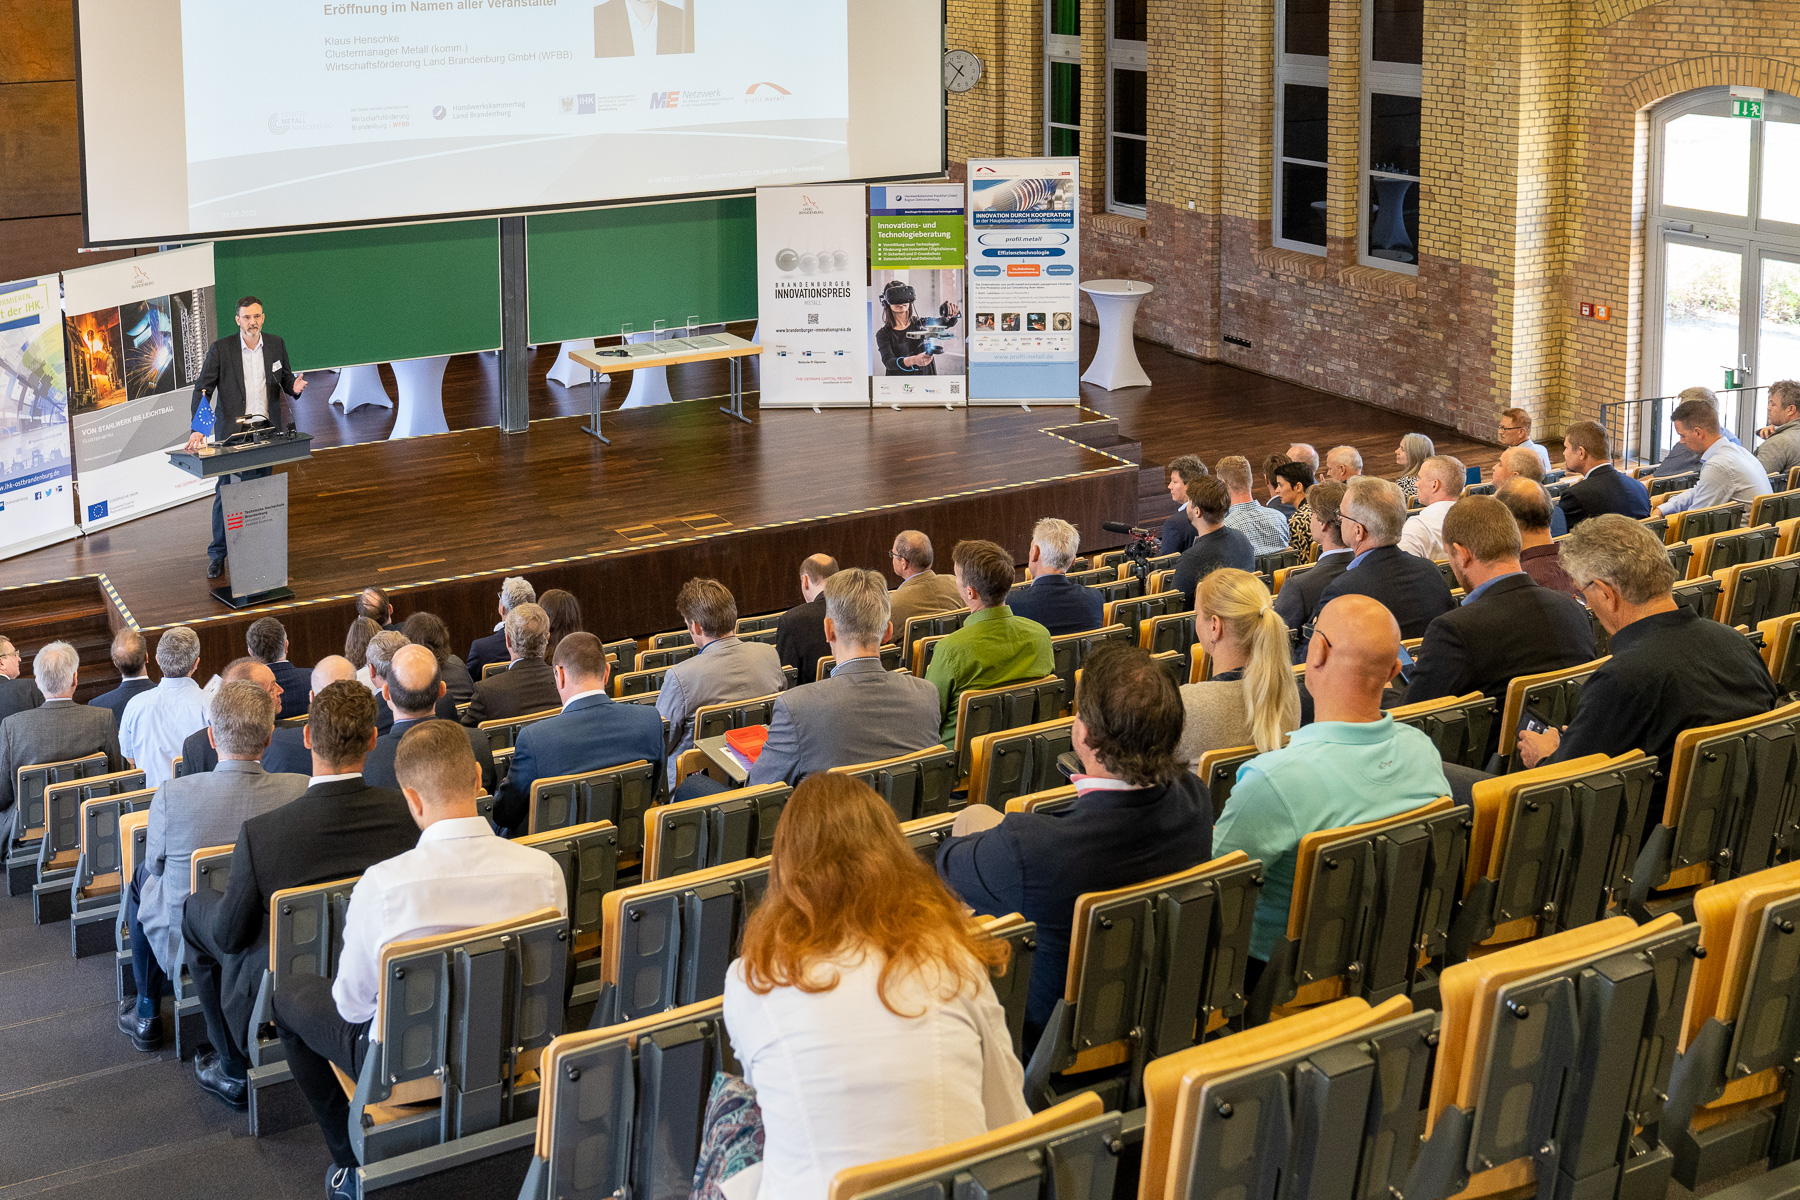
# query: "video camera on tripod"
[[1139, 551]]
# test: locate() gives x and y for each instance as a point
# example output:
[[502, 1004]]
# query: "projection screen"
[[205, 118]]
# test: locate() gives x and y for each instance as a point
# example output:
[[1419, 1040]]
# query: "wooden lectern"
[[255, 510]]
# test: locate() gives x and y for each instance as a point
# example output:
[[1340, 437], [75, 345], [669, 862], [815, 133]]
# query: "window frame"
[[1298, 70], [1059, 48], [1387, 79], [1122, 55]]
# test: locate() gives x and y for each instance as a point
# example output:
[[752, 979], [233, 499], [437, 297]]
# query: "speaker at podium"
[[256, 510]]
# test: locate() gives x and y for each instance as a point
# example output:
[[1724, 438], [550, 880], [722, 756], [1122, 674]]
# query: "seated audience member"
[[1411, 588], [1410, 456], [1291, 481], [1301, 452], [267, 642], [1506, 626], [1602, 488], [1343, 463], [1215, 544], [1138, 813], [564, 611], [16, 694], [1298, 601], [591, 732], [356, 648], [458, 876], [130, 657], [1515, 434], [374, 604], [335, 830], [1539, 556], [1520, 463], [1178, 530], [1352, 764], [1728, 472], [187, 814], [1680, 459], [726, 670], [376, 658], [993, 647], [862, 712], [1780, 450], [1669, 669], [1052, 600], [800, 632], [1266, 529], [1251, 697], [922, 591], [1439, 483], [528, 684], [514, 591], [412, 689], [856, 966], [287, 753], [428, 630], [159, 720], [1272, 464], [57, 730]]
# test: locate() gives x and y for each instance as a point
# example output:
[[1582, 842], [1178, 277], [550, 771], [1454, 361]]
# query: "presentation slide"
[[295, 114]]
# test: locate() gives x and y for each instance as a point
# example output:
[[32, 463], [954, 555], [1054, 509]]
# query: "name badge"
[[276, 365]]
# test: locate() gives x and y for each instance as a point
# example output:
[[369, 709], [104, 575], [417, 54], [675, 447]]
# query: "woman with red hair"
[[861, 1010]]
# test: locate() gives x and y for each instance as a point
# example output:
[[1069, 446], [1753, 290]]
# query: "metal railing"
[[1639, 431]]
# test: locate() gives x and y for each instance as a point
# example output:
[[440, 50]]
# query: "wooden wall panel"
[[44, 245], [39, 41], [38, 152]]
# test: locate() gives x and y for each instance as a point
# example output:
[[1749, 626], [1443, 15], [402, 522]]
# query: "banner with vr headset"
[[811, 263], [137, 331], [1024, 277], [37, 497], [918, 351]]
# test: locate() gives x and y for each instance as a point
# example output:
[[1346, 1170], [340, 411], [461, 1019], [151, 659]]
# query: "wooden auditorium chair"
[[25, 824], [1057, 799], [1698, 522], [1754, 592], [710, 831], [1218, 770], [620, 794], [1781, 651], [1069, 650], [982, 711], [503, 732], [208, 870], [927, 625], [99, 879], [133, 836], [59, 846], [1783, 504], [914, 785], [1714, 552], [1458, 726], [1133, 612], [1014, 762], [1549, 696], [889, 653]]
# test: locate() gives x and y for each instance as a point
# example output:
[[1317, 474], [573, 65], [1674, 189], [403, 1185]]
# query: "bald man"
[[1352, 764], [286, 753], [413, 688]]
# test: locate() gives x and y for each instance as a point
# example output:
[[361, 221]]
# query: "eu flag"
[[203, 419]]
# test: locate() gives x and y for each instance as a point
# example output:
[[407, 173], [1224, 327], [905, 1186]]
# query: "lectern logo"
[[234, 520]]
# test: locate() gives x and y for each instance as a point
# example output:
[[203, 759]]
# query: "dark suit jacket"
[[59, 730], [1178, 533], [334, 830], [800, 637], [378, 767], [459, 685], [593, 732], [119, 697], [222, 378], [296, 689], [1605, 490], [1058, 604], [1408, 586], [287, 752], [482, 651], [1515, 627], [1298, 602], [17, 695], [384, 715], [612, 30], [527, 686]]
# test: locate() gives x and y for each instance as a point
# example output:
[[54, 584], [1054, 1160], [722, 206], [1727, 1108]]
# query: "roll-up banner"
[[812, 264], [1024, 277], [37, 497], [919, 352], [137, 331]]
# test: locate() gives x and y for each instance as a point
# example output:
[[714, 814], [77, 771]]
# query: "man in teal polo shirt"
[[1352, 764], [993, 646]]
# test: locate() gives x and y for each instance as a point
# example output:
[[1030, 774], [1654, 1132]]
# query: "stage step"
[[1154, 505], [76, 611]]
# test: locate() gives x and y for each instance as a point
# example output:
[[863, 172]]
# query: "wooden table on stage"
[[705, 347]]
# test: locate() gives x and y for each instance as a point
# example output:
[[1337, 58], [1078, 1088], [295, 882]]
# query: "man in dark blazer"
[[1144, 817], [336, 829], [528, 685], [287, 752], [591, 732], [862, 712], [1298, 600], [1507, 625], [57, 730], [16, 695], [413, 690], [130, 657], [514, 591], [800, 633], [267, 641], [1178, 530], [235, 395], [614, 21], [1371, 516], [1052, 600], [1602, 488]]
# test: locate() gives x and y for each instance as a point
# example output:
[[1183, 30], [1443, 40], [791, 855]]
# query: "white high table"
[[1115, 362], [635, 356]]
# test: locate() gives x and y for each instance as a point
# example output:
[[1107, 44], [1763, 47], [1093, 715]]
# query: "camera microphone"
[[1119, 527]]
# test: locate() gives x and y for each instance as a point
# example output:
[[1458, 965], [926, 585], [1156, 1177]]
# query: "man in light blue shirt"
[[1515, 434], [156, 722], [1266, 528], [1352, 764], [1728, 472]]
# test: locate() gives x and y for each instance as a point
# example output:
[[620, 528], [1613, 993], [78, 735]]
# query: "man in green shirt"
[[993, 646]]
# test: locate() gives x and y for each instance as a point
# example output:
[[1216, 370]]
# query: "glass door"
[[1776, 354]]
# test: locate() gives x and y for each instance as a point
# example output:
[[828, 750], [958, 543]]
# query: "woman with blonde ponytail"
[[1251, 698]]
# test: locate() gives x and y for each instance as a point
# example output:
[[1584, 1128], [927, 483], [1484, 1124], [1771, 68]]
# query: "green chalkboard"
[[590, 272], [369, 295]]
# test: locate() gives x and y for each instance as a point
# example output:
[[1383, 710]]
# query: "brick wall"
[[1535, 143]]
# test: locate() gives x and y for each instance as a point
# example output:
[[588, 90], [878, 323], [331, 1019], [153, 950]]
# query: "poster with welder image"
[[918, 348], [137, 332], [36, 496]]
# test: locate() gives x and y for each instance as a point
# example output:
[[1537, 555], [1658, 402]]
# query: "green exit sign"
[[1747, 108]]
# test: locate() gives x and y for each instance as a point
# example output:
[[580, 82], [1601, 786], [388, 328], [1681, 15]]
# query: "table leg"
[[593, 426], [736, 408]]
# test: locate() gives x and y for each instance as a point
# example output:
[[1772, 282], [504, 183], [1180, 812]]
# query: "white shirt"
[[918, 1082], [582, 696], [1423, 533], [1727, 472], [156, 722], [460, 875], [1543, 455], [643, 32], [256, 380]]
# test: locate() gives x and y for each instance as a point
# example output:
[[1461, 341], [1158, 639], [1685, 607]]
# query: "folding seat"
[[914, 785], [25, 828], [1671, 483], [1170, 631], [713, 830], [1754, 592], [666, 656], [1457, 725], [1549, 697], [757, 623], [1129, 587], [1286, 573], [1714, 552], [1068, 651], [622, 654], [95, 888], [1277, 560], [1780, 505], [1698, 522], [59, 848], [1218, 770], [1094, 575], [503, 732], [1010, 706], [208, 870], [928, 625], [637, 682], [1781, 650], [1681, 554], [1787, 538], [890, 661], [1133, 612], [1015, 762], [675, 637], [1700, 594], [713, 720], [618, 794], [1057, 799], [132, 838]]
